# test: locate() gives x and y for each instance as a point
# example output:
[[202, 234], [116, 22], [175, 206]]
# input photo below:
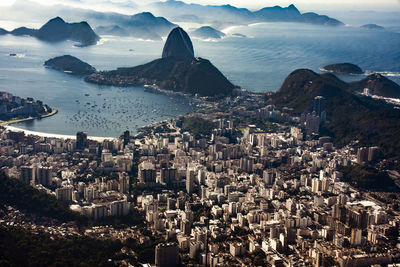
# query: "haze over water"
[[257, 63]]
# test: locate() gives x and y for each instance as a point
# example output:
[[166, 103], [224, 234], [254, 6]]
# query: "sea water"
[[258, 62]]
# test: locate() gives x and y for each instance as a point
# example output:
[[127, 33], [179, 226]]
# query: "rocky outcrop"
[[71, 65]]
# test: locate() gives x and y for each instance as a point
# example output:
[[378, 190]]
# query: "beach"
[[51, 135]]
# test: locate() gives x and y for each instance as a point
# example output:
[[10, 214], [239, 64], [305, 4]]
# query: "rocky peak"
[[178, 45]]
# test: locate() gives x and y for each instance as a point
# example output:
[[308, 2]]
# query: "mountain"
[[225, 15], [207, 32], [112, 30], [379, 85], [142, 25], [147, 19], [70, 64], [277, 13], [343, 68], [137, 32], [210, 14], [57, 30], [21, 31], [178, 45], [2, 31], [314, 18], [178, 70], [372, 27], [350, 117]]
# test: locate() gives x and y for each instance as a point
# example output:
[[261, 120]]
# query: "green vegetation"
[[19, 247], [146, 251], [70, 64], [26, 198], [198, 126], [350, 117], [368, 178]]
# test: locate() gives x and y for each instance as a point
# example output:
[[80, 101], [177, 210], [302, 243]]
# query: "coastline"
[[6, 123], [59, 136], [7, 126]]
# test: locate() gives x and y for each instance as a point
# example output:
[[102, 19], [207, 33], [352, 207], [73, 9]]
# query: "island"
[[372, 27], [178, 70], [57, 30], [207, 32], [14, 109], [71, 65], [343, 68]]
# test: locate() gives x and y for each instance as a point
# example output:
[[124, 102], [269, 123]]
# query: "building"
[[28, 174], [147, 173], [127, 137], [81, 140], [362, 155], [319, 107], [45, 175], [167, 255], [190, 181], [64, 193]]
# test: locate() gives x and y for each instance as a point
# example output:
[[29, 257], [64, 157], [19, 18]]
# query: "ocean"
[[258, 62]]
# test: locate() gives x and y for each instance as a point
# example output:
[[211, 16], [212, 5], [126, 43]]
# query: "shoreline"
[[7, 126], [53, 135], [6, 123]]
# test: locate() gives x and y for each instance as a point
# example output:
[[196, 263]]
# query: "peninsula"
[[178, 70], [15, 109]]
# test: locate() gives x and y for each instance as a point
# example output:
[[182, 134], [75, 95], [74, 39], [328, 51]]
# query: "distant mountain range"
[[147, 26], [57, 30], [142, 25], [229, 15], [350, 116]]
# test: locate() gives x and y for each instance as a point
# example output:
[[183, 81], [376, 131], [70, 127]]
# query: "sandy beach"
[[51, 135]]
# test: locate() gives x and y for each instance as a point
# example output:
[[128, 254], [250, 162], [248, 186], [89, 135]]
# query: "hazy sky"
[[304, 5]]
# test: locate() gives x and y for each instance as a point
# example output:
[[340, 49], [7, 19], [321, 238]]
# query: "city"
[[216, 190]]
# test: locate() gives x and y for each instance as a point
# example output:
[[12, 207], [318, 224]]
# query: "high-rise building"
[[312, 123], [28, 174], [64, 193], [81, 140], [45, 175], [127, 137], [190, 181], [168, 175], [123, 183], [167, 255], [319, 107], [356, 235], [362, 155], [147, 173]]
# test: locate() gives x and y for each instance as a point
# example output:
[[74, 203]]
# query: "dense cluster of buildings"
[[13, 106], [239, 196]]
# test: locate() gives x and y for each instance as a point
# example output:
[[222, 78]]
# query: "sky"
[[306, 5]]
